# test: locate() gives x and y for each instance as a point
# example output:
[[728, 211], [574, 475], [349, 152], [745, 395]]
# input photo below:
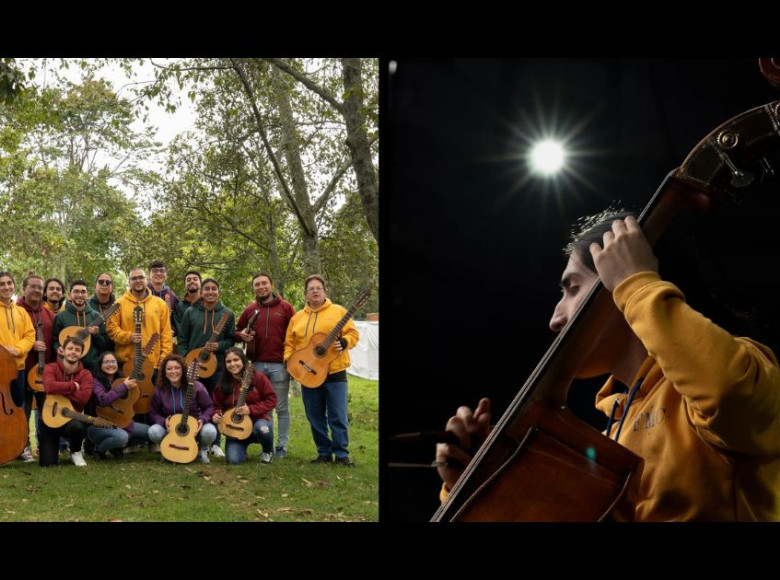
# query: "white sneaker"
[[216, 451], [203, 456], [27, 455], [266, 457], [77, 459]]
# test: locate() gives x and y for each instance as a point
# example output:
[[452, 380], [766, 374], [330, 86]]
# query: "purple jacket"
[[103, 397], [167, 401]]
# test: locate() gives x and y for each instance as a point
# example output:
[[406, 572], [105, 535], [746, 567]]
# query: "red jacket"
[[58, 382], [261, 397], [47, 317], [270, 329]]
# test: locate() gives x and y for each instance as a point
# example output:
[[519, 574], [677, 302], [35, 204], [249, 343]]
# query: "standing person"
[[326, 406], [17, 334], [69, 378], [32, 301], [104, 394], [192, 283], [169, 400], [700, 406], [158, 274], [196, 328], [54, 295], [101, 300], [121, 326], [78, 313], [260, 401], [268, 333]]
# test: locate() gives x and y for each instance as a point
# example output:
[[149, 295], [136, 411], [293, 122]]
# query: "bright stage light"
[[547, 157]]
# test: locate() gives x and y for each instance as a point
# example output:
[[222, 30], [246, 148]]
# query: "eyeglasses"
[[105, 282], [137, 278], [157, 271], [316, 290], [110, 363]]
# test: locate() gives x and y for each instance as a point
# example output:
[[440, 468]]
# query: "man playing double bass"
[[702, 407]]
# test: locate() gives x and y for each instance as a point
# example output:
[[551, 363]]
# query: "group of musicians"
[[88, 354]]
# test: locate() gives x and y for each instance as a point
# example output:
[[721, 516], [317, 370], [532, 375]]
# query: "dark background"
[[471, 242]]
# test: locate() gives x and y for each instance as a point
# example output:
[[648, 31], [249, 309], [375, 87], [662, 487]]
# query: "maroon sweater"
[[270, 328], [47, 317], [261, 397], [57, 381]]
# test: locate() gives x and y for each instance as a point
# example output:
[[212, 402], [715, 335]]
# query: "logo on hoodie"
[[649, 419]]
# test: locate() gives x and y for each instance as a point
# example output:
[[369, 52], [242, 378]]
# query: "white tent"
[[365, 356]]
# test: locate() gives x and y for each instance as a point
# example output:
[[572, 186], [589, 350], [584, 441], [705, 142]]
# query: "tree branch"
[[323, 198], [306, 81]]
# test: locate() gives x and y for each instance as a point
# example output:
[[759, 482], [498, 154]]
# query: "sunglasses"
[[105, 282]]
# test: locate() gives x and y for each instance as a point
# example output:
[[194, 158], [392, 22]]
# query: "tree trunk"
[[358, 144], [291, 146]]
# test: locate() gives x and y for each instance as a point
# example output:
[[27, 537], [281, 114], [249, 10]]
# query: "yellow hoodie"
[[156, 318], [17, 330], [706, 417], [308, 321]]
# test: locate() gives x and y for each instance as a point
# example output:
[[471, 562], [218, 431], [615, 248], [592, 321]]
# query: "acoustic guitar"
[[141, 368], [58, 410], [121, 411], [82, 332], [250, 325], [179, 444], [309, 365], [206, 359], [13, 424], [35, 376], [233, 424]]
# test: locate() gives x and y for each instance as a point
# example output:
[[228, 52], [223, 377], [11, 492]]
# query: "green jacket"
[[197, 325], [71, 317]]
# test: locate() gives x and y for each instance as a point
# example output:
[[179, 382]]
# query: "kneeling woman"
[[169, 400], [103, 395], [260, 401]]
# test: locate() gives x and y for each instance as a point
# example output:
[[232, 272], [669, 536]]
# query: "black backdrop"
[[471, 243]]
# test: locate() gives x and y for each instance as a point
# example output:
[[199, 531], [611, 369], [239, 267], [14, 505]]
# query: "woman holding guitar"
[[326, 405], [104, 394], [168, 400], [259, 399], [17, 333]]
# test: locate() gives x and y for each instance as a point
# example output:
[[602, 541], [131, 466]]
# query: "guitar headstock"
[[192, 371], [151, 344], [362, 297], [138, 315], [222, 322], [249, 373], [251, 322], [111, 310]]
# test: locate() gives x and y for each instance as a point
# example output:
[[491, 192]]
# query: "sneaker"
[[266, 457], [322, 459], [280, 452], [154, 447], [203, 456], [117, 453], [345, 461], [27, 456], [77, 459], [99, 455], [216, 451]]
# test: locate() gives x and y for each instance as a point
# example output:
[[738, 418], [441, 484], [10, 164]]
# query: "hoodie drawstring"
[[628, 405]]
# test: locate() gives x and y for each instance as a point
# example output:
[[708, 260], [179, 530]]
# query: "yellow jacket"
[[17, 330], [156, 318], [706, 417], [308, 321]]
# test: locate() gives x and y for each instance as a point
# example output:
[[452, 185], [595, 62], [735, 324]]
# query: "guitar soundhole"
[[320, 350], [182, 429], [203, 356], [235, 418]]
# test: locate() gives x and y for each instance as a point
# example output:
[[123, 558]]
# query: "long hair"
[[226, 380], [164, 382], [99, 374]]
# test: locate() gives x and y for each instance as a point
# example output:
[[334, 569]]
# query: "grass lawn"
[[144, 487]]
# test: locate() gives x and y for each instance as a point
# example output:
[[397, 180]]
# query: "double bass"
[[13, 423], [540, 462]]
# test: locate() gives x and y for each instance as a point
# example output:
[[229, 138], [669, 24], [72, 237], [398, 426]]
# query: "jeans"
[[205, 438], [108, 439], [17, 388], [211, 383], [235, 449], [29, 395], [280, 380], [326, 406]]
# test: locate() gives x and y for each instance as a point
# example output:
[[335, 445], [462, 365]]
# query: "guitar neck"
[[41, 353], [187, 402], [337, 329], [96, 421]]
